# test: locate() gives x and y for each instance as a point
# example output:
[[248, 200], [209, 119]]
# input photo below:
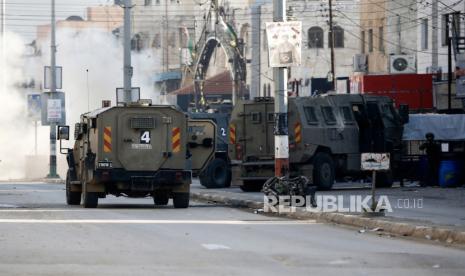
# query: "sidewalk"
[[441, 216]]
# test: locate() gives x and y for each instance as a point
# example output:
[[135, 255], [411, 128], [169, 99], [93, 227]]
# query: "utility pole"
[[331, 35], [128, 71], [281, 130], [2, 15], [256, 85], [434, 37], [53, 90], [449, 24], [399, 35], [166, 48], [2, 37]]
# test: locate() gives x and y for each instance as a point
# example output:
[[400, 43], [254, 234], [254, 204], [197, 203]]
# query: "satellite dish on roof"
[[74, 18]]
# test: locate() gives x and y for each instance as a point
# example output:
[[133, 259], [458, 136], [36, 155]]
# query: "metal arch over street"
[[218, 33]]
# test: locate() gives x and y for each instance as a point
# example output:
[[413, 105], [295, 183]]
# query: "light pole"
[[53, 87], [331, 35], [128, 71], [281, 130]]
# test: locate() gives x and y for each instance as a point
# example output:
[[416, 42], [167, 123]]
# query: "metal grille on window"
[[142, 123], [310, 115], [256, 117], [329, 115], [270, 117], [347, 113]]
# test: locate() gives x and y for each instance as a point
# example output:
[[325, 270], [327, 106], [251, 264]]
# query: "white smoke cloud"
[[16, 129], [92, 62]]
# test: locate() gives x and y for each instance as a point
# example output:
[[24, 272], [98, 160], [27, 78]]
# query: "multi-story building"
[[248, 18], [313, 73], [388, 28], [431, 33], [107, 18], [167, 28]]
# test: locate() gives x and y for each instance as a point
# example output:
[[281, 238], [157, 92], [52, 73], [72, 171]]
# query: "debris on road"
[[377, 229]]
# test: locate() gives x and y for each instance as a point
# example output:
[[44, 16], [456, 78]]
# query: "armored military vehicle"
[[327, 135], [217, 173], [136, 151]]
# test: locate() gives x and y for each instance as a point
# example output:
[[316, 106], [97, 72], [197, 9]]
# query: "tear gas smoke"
[[16, 129], [92, 62]]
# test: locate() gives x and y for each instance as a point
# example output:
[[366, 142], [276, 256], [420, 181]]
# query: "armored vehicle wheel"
[[181, 200], [217, 175], [89, 200], [72, 198], [251, 185], [323, 171], [384, 180], [161, 198]]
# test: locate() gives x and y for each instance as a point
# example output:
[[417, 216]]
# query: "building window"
[[424, 34], [456, 24], [147, 2], [137, 43], [265, 41], [370, 41], [172, 40], [363, 42], [338, 34], [443, 29], [381, 39], [156, 43], [315, 37]]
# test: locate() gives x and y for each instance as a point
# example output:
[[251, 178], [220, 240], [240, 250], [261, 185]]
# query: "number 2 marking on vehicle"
[[223, 132], [145, 137]]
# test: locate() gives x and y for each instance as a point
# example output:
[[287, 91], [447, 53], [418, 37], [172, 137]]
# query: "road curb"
[[403, 229], [53, 181]]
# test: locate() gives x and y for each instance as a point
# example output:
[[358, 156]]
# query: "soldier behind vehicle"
[[433, 153]]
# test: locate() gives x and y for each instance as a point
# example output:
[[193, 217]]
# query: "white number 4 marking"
[[145, 137]]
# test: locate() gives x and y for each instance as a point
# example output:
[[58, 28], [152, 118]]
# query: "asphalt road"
[[40, 235]]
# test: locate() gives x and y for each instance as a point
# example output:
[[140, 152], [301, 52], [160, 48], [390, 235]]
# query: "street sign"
[[284, 43], [34, 106], [53, 108], [48, 77], [375, 161]]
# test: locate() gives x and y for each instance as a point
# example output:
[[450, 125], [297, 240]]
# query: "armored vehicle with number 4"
[[135, 151], [327, 135]]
